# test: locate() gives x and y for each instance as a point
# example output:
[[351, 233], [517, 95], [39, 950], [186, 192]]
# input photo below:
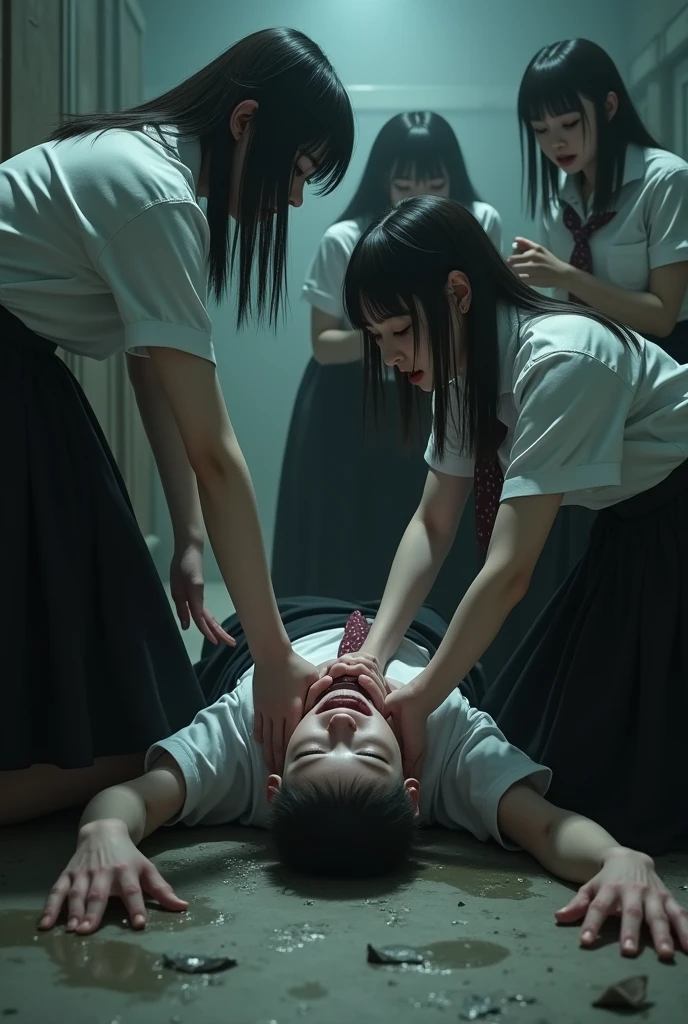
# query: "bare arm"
[[652, 312], [178, 478], [226, 493], [521, 529], [142, 805], [106, 862], [616, 880], [426, 542], [567, 844], [331, 344]]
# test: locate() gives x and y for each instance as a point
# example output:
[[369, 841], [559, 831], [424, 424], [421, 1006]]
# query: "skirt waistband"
[[15, 331], [662, 493]]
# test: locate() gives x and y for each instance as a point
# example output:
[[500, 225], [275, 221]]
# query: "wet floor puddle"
[[311, 990], [94, 961], [453, 954], [492, 884]]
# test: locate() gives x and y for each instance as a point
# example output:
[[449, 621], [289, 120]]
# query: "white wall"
[[478, 50], [646, 18]]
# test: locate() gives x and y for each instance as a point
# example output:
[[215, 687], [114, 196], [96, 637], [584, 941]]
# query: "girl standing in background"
[[615, 231], [348, 488]]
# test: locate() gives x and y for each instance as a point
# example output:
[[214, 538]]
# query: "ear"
[[274, 784], [611, 105], [458, 289], [412, 787], [241, 118]]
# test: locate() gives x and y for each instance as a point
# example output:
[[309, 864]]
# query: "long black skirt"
[[347, 492], [93, 661], [598, 691]]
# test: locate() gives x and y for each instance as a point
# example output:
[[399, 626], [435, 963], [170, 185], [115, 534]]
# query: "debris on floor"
[[629, 994], [198, 964], [476, 1007], [394, 955]]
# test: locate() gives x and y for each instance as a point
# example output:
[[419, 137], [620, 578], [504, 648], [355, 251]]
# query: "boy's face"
[[342, 738]]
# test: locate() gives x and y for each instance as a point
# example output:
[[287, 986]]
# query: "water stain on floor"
[[479, 882], [89, 961], [463, 953], [93, 961], [311, 990]]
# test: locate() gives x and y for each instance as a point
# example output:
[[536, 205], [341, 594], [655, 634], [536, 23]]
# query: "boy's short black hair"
[[357, 830]]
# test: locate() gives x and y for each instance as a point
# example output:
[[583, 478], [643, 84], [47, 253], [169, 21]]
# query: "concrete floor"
[[483, 918]]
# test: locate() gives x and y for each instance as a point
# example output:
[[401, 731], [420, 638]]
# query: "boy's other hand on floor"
[[106, 863]]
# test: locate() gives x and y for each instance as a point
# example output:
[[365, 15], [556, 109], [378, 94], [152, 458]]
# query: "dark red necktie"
[[581, 256], [488, 481], [355, 632]]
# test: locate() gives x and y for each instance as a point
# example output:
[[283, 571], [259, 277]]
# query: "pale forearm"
[[576, 848], [119, 803], [643, 312], [231, 518], [417, 562], [475, 624], [176, 474], [334, 347]]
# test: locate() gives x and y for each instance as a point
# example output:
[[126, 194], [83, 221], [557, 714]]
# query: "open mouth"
[[348, 699], [416, 377], [565, 161]]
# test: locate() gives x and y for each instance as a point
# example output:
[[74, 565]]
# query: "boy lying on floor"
[[342, 805]]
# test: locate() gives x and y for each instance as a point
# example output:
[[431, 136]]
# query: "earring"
[[463, 308]]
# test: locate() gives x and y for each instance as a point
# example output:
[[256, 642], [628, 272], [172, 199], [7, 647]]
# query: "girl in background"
[[348, 488], [614, 202]]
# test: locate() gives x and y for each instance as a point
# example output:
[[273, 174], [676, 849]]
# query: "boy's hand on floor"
[[106, 863], [279, 692], [629, 887]]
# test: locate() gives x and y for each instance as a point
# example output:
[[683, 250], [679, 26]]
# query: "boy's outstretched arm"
[[617, 881], [107, 862]]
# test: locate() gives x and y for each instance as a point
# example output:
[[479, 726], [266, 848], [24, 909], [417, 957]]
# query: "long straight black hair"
[[400, 267], [303, 109], [554, 83], [419, 145]]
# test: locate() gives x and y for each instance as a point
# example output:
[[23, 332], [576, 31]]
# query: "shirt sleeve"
[[479, 767], [455, 461], [668, 220], [214, 758], [157, 269], [324, 284], [569, 433]]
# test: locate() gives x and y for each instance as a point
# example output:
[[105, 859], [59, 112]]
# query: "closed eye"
[[400, 334], [360, 753]]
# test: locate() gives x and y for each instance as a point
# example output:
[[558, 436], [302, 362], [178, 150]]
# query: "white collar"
[[634, 168]]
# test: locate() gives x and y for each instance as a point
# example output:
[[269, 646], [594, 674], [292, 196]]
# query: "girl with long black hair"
[[104, 248], [334, 452], [540, 403], [614, 202]]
